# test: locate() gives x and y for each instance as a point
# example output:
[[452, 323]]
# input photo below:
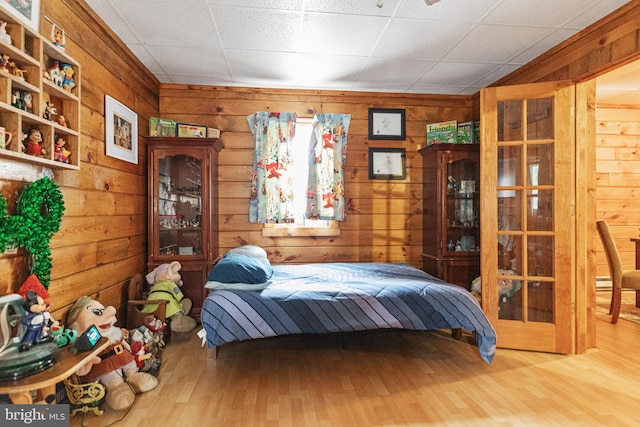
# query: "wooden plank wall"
[[618, 177], [102, 240], [384, 218]]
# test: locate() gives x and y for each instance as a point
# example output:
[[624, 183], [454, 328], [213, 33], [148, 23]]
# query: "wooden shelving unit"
[[49, 100]]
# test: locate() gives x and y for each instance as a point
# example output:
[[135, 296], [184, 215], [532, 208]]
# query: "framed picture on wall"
[[121, 131], [387, 163], [25, 11], [387, 123]]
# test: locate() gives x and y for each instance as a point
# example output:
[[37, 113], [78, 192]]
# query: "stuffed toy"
[[506, 287], [156, 328], [115, 367], [139, 349], [166, 282]]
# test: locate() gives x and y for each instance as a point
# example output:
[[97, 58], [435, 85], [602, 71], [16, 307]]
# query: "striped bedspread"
[[334, 297]]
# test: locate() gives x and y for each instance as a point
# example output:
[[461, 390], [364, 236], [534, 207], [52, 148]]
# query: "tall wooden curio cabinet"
[[451, 206], [183, 209]]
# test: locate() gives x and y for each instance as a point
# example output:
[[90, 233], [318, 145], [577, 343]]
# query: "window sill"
[[291, 230]]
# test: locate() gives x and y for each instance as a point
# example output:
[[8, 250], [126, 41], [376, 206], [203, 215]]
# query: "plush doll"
[[506, 287], [116, 367], [166, 282], [139, 349]]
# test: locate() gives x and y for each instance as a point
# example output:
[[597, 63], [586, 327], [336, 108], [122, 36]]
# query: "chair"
[[629, 279], [137, 300]]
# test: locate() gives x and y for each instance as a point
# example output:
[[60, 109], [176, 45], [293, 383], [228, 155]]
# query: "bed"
[[342, 297]]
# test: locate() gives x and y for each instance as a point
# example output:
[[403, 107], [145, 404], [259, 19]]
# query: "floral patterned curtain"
[[271, 199], [328, 152]]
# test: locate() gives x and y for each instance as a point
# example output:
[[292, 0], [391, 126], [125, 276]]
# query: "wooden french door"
[[528, 221]]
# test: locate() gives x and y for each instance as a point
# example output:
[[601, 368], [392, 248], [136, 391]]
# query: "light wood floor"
[[389, 378]]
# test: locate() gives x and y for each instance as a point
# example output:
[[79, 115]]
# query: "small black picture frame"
[[387, 163], [387, 123]]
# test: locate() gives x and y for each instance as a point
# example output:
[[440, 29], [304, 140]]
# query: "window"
[[302, 226]]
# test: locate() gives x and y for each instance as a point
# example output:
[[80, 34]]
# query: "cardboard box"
[[213, 133], [444, 132], [191, 131], [476, 132], [161, 127], [465, 133]]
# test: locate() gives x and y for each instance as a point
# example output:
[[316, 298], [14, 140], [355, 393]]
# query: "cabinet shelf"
[[29, 101], [451, 212], [187, 166]]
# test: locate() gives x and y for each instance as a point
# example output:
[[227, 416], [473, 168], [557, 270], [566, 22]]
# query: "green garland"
[[5, 237], [38, 217]]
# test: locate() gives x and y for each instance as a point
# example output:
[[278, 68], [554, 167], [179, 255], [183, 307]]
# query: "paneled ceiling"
[[405, 46]]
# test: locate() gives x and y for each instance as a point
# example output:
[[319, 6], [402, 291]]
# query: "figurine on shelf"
[[57, 36], [13, 69], [61, 154], [3, 32], [4, 61], [56, 74], [49, 111], [34, 144], [28, 101], [62, 121], [17, 100], [451, 184], [38, 320], [67, 80]]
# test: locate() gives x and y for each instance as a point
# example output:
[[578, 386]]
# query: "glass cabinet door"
[[462, 206], [179, 205]]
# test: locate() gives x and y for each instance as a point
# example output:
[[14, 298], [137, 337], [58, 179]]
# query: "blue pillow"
[[241, 268]]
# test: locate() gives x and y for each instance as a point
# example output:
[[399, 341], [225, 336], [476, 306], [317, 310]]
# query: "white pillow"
[[251, 250]]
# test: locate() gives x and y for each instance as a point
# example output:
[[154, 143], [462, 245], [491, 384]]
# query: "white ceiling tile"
[[145, 56], [335, 35], [537, 49], [380, 87], [414, 39], [258, 29], [203, 61], [495, 75], [495, 43], [451, 11], [169, 22], [455, 74], [116, 21], [261, 4], [388, 70], [594, 11], [530, 13], [352, 7]]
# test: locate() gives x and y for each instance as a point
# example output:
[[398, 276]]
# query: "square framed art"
[[25, 11], [387, 163], [387, 123], [121, 131]]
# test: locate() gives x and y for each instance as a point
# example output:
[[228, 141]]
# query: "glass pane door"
[[525, 194], [180, 205], [528, 219]]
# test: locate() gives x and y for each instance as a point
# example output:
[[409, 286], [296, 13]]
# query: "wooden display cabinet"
[[451, 212], [183, 209], [33, 97]]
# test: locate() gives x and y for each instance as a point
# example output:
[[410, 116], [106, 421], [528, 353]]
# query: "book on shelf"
[[443, 132]]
